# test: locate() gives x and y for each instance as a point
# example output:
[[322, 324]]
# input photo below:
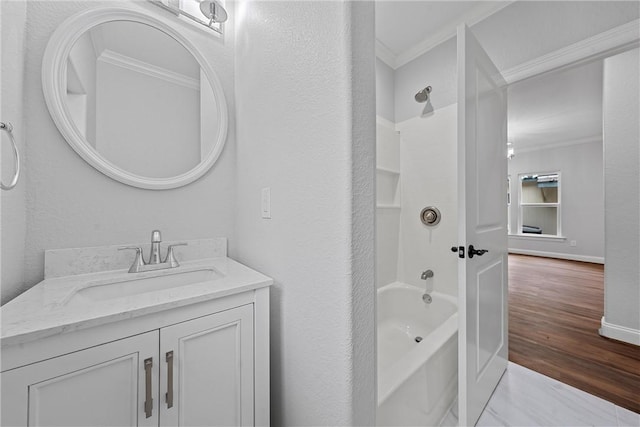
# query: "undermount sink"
[[119, 288]]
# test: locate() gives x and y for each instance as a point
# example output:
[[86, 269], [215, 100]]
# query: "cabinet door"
[[104, 385], [206, 374]]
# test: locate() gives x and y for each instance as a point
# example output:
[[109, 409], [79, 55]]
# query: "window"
[[539, 204]]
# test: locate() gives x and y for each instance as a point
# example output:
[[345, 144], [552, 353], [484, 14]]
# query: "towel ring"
[[8, 127]]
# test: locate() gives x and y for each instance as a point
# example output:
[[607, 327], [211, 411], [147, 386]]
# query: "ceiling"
[[561, 107], [406, 29], [557, 108]]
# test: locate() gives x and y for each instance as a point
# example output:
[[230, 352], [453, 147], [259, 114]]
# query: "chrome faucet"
[[156, 238], [426, 274], [155, 262]]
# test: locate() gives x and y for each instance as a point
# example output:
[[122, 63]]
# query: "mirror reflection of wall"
[[137, 96]]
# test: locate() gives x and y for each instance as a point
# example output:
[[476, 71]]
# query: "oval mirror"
[[134, 98]]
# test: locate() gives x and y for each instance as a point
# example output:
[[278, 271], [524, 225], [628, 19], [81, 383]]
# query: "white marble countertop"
[[50, 308]]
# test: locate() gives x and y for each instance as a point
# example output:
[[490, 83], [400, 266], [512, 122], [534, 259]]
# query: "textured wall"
[[305, 99], [622, 190], [14, 224], [582, 199], [70, 204], [1, 38]]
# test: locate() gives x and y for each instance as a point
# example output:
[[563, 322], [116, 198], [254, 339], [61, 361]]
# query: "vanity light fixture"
[[209, 13], [213, 10]]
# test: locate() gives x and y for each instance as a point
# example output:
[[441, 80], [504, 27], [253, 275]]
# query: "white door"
[[206, 375], [106, 385], [482, 178]]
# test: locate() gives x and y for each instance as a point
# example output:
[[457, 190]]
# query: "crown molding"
[[482, 11], [133, 64], [385, 54], [604, 44], [473, 16]]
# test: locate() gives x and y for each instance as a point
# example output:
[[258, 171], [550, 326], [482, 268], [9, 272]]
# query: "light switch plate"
[[266, 203]]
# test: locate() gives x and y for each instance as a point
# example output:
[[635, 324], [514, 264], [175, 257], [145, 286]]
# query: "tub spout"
[[426, 274]]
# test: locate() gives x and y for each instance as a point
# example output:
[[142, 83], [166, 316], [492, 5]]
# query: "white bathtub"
[[417, 381]]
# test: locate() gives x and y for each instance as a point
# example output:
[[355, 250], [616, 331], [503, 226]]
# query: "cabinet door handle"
[[148, 402], [169, 395]]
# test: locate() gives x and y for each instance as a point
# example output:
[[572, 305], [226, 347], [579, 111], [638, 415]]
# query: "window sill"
[[537, 237]]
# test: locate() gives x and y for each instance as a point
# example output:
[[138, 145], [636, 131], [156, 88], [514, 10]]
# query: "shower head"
[[423, 95]]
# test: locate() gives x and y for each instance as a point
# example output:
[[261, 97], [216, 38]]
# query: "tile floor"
[[526, 398]]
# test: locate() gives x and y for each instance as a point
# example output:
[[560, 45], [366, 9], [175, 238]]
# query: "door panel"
[[482, 169], [489, 175], [490, 315], [212, 381], [100, 386]]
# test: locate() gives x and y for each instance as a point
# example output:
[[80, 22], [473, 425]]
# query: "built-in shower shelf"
[[387, 188], [389, 171]]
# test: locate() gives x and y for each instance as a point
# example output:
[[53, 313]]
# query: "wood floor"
[[555, 307]]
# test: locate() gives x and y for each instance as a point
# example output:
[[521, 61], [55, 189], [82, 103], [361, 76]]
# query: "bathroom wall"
[[1, 157], [385, 93], [14, 224], [70, 204], [621, 318], [138, 144], [388, 201], [81, 89], [305, 97], [582, 200], [428, 167], [436, 68], [522, 31]]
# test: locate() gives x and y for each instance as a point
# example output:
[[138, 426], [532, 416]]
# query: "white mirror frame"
[[54, 78]]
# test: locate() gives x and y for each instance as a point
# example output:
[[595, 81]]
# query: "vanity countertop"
[[44, 310]]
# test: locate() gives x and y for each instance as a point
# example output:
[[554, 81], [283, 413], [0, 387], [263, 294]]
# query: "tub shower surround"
[[417, 355]]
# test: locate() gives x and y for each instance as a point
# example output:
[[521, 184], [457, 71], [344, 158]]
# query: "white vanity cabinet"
[[206, 371], [204, 364], [99, 386]]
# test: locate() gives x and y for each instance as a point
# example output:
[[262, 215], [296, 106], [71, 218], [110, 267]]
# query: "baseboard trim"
[[557, 255], [620, 333]]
